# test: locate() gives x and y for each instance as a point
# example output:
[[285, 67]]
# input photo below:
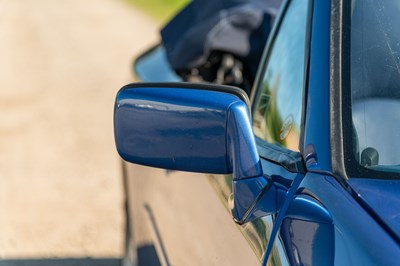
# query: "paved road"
[[61, 63]]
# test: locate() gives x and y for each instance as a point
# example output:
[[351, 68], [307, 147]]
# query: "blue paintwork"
[[308, 232], [381, 198], [317, 132], [173, 128], [301, 237], [305, 208], [358, 238], [241, 144]]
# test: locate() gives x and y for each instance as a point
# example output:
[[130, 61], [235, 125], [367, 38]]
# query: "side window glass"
[[279, 104]]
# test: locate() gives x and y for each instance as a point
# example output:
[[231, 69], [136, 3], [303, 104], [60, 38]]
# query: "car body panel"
[[322, 218], [358, 237], [381, 199]]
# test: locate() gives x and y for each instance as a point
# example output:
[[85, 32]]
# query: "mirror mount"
[[252, 198], [249, 183]]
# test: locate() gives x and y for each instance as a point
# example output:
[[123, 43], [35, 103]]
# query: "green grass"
[[161, 10]]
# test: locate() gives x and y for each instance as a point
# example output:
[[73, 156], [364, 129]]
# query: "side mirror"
[[192, 127]]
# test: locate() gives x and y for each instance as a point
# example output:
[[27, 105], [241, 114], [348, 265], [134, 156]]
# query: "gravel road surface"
[[61, 64]]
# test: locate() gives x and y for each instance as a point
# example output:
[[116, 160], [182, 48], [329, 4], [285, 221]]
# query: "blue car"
[[305, 171]]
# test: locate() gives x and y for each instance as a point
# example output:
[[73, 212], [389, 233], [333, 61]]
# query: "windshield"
[[375, 85]]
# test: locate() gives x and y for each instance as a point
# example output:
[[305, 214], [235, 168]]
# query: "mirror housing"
[[192, 127]]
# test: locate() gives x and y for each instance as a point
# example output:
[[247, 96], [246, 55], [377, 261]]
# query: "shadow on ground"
[[61, 262]]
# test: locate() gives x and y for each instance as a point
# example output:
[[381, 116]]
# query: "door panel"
[[258, 232], [179, 216], [254, 232]]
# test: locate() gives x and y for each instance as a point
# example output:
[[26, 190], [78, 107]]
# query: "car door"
[[177, 218]]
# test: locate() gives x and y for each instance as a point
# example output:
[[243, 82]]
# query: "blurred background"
[[61, 64]]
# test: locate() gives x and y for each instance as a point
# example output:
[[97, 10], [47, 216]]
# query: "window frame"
[[344, 163]]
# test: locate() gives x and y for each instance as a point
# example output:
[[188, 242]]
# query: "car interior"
[[375, 75]]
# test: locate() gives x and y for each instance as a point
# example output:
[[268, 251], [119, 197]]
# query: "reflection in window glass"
[[375, 81], [278, 116]]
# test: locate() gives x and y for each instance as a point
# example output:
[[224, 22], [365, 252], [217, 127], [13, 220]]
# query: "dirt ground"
[[61, 64]]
